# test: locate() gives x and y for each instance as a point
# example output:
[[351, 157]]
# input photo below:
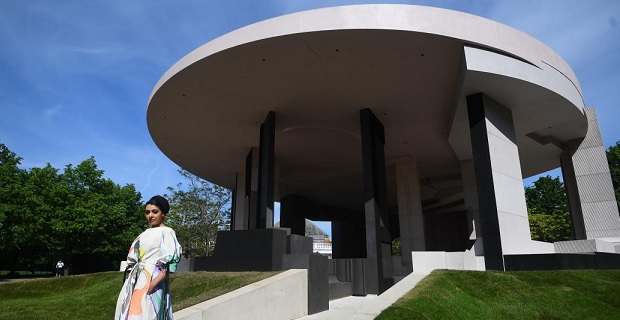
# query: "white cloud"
[[50, 113]]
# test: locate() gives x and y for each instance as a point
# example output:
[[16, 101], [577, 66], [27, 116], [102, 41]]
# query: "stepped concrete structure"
[[390, 121]]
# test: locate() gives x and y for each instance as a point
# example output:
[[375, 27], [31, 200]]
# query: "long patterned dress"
[[154, 251]]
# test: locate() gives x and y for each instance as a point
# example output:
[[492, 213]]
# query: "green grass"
[[575, 294], [93, 296], [569, 294]]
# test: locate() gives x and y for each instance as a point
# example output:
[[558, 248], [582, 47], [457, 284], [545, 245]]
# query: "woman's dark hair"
[[160, 202]]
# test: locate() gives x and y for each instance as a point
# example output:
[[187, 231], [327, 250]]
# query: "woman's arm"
[[156, 281]]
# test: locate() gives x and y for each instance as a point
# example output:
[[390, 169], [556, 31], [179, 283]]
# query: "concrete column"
[[572, 192], [266, 172], [378, 269], [349, 237], [292, 214], [250, 185], [503, 213], [589, 189], [239, 219], [409, 211], [468, 176]]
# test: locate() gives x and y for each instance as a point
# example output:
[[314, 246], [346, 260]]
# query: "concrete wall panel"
[[591, 161], [515, 233], [593, 187], [600, 219], [505, 157], [283, 296], [591, 178], [510, 195]]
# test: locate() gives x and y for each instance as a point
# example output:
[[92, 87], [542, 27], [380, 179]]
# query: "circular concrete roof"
[[411, 65]]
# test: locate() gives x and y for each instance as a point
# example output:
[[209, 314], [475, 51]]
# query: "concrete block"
[[607, 245], [604, 246], [428, 260], [281, 297], [246, 250], [297, 244], [575, 246], [473, 262], [455, 261], [339, 289], [318, 287], [184, 265]]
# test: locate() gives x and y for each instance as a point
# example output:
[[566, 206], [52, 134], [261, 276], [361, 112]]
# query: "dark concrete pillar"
[[378, 271], [233, 207], [292, 214], [591, 191], [266, 172], [349, 237], [489, 221], [251, 189], [572, 192]]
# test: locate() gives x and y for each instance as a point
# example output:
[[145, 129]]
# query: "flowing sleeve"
[[170, 250], [133, 256]]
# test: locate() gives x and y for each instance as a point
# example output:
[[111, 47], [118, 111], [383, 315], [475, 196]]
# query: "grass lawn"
[[93, 296], [568, 294], [574, 294]]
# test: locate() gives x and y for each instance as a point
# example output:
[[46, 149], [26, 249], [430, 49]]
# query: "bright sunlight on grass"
[[574, 294], [93, 296], [569, 294]]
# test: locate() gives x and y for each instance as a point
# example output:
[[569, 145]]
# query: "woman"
[[154, 253]]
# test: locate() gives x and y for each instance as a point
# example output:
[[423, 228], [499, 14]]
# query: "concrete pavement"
[[368, 307]]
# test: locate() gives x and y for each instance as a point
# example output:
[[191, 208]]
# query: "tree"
[[546, 196], [613, 158], [198, 209], [547, 210], [46, 215], [396, 249], [12, 212], [100, 216], [550, 227]]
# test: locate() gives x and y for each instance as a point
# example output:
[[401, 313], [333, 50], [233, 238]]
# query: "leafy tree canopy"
[[546, 196], [46, 214], [198, 209], [547, 210]]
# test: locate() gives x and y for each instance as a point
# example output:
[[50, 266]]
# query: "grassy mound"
[[93, 296], [568, 294]]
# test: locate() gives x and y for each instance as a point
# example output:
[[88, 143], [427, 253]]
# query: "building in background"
[[321, 243]]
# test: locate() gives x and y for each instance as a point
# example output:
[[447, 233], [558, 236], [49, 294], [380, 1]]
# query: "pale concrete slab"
[[283, 296]]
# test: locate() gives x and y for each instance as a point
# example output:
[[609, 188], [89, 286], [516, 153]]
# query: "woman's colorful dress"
[[156, 250]]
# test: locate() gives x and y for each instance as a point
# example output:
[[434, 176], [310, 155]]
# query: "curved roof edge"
[[454, 24]]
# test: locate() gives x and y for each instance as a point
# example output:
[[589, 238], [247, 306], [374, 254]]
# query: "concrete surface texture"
[[281, 297], [368, 307]]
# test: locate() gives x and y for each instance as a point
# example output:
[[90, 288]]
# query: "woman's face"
[[154, 216]]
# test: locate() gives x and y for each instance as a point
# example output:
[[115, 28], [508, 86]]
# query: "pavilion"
[[390, 121]]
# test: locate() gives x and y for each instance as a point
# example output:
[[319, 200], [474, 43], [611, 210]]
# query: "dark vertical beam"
[[250, 197], [489, 221], [349, 236], [233, 207], [292, 214], [375, 197], [572, 193], [266, 172]]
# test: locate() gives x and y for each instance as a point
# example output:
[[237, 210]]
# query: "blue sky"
[[75, 76]]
